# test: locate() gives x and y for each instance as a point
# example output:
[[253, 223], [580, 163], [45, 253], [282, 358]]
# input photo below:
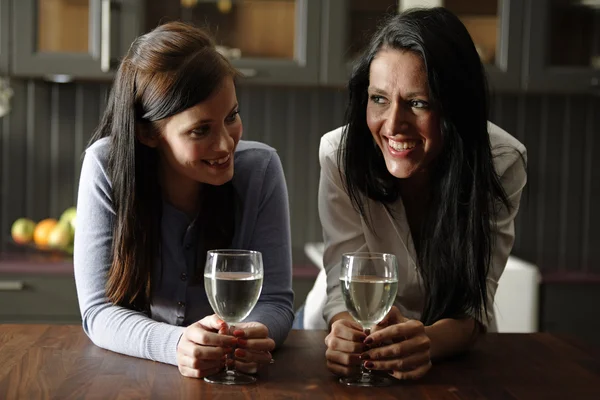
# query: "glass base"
[[230, 378], [366, 380]]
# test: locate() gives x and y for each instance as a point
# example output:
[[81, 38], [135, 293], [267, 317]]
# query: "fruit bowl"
[[34, 248]]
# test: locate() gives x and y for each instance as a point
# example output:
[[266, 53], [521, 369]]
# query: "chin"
[[399, 172], [219, 180]]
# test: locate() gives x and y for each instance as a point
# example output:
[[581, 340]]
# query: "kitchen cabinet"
[[65, 39], [562, 46], [495, 26], [269, 41], [38, 298]]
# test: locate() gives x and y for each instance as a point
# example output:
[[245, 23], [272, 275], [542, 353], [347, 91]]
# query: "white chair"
[[516, 303]]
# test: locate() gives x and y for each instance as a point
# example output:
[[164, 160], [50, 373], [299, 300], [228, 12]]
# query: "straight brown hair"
[[165, 71]]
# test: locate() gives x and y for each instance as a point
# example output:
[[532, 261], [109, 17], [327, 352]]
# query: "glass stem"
[[230, 356], [365, 372]]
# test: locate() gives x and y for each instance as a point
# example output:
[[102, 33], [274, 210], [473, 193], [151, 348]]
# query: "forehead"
[[394, 70], [217, 106]]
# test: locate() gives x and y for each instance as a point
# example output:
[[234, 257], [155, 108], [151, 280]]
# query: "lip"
[[402, 153], [218, 167]]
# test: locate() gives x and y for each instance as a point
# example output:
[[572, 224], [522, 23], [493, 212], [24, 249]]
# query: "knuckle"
[[197, 352], [426, 342], [334, 343], [345, 359], [336, 328]]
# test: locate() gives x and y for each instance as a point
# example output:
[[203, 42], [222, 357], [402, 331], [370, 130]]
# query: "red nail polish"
[[369, 364], [242, 342], [365, 356], [239, 333], [368, 340], [240, 353]]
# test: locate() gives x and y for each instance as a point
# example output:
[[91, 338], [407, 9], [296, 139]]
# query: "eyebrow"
[[207, 121], [415, 93]]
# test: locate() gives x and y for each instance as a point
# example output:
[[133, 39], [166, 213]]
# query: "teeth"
[[400, 146], [219, 161]]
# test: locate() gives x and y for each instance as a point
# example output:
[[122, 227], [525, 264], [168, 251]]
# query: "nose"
[[223, 141], [396, 119]]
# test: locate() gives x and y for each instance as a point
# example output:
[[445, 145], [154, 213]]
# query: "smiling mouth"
[[402, 145], [218, 162]]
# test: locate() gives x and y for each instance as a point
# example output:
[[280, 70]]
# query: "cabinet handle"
[[11, 286], [105, 36]]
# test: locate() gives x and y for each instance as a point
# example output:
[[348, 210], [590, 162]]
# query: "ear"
[[146, 134]]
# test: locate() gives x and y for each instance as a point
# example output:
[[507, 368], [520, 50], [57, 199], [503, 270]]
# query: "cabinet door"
[[563, 46], [269, 41], [494, 25], [65, 39]]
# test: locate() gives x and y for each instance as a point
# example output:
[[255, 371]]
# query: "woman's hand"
[[404, 347], [344, 346], [202, 351], [254, 346]]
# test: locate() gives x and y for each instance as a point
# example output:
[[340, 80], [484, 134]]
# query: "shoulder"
[[96, 158], [330, 143], [252, 157], [255, 164], [506, 149]]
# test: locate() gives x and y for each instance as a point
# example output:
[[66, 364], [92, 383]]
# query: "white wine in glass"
[[369, 284], [233, 282]]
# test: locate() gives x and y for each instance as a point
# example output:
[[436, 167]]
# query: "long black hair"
[[166, 71], [455, 245]]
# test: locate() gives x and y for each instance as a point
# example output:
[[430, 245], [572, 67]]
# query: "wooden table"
[[60, 362]]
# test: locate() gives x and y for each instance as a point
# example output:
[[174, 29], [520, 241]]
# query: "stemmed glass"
[[233, 282], [369, 284]]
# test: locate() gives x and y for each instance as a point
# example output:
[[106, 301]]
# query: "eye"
[[377, 99], [233, 117], [419, 104], [202, 130]]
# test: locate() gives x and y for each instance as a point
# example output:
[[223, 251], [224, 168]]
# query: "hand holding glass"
[[233, 282], [369, 284]]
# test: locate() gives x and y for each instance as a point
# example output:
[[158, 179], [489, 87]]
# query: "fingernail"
[[240, 353], [369, 364], [365, 356], [391, 372], [239, 333], [368, 340], [242, 342], [227, 350]]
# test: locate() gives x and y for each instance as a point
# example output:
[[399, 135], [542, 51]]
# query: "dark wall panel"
[[42, 139]]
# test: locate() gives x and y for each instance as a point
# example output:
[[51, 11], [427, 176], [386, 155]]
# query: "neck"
[[415, 187], [181, 192], [415, 194]]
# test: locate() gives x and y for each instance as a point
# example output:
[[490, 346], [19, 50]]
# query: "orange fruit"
[[42, 231]]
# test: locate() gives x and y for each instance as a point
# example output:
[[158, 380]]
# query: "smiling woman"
[[419, 172], [166, 178]]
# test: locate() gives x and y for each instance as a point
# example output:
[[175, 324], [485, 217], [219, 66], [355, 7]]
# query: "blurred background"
[[58, 57]]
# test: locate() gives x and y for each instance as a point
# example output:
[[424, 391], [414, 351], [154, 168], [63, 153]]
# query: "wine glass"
[[233, 282], [369, 284]]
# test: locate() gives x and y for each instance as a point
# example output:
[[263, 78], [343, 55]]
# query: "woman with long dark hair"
[[157, 190], [418, 171]]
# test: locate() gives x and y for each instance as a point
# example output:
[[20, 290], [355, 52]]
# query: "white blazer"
[[344, 230]]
